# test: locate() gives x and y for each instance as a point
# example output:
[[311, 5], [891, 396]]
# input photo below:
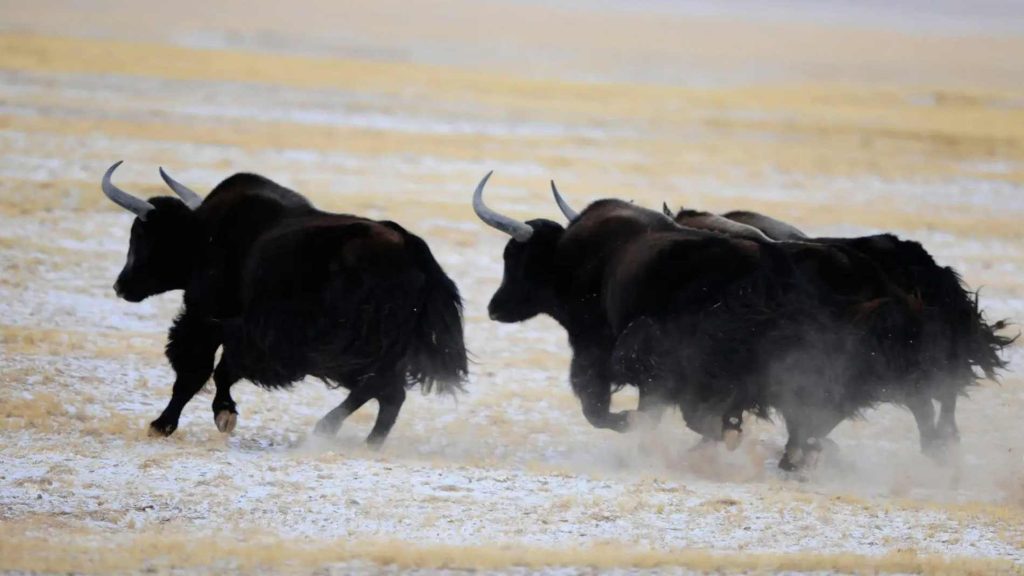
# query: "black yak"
[[289, 291], [955, 338], [715, 324]]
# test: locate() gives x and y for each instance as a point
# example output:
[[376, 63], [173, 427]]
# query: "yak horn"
[[514, 228], [137, 206], [666, 210], [569, 213], [190, 198]]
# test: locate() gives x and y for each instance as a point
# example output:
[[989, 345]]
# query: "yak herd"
[[721, 316]]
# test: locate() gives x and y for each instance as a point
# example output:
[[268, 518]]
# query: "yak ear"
[[666, 210]]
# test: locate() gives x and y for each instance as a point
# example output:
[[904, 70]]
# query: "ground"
[[840, 121]]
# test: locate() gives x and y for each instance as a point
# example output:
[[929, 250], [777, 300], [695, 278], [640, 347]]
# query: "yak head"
[[166, 239], [528, 286]]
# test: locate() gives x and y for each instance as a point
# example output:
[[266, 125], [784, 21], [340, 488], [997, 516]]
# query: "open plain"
[[846, 125]]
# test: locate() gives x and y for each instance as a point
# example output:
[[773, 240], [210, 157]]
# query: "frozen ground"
[[508, 478]]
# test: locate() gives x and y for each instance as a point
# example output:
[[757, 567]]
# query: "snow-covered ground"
[[509, 477]]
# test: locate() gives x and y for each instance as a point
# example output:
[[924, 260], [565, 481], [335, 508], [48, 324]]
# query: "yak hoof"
[[326, 428], [792, 459], [811, 459], [732, 439], [939, 452], [226, 421], [161, 429]]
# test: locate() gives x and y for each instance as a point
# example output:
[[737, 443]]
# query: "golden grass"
[[831, 129], [752, 134], [971, 110], [30, 340], [88, 551]]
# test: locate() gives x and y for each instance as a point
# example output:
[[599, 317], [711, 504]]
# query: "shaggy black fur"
[[955, 339], [714, 324], [289, 292]]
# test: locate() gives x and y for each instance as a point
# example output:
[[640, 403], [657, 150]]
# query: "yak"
[[715, 324], [558, 272], [955, 340], [288, 291]]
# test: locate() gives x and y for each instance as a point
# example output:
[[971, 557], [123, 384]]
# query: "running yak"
[[956, 340], [288, 291], [714, 324]]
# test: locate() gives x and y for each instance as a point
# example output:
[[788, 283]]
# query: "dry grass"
[[649, 143], [90, 552], [25, 340]]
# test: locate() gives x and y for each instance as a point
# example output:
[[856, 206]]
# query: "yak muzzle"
[[125, 294]]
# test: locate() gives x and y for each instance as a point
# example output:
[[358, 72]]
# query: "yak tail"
[[975, 340], [986, 344], [436, 358]]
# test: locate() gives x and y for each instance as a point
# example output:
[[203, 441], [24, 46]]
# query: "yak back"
[[694, 315], [342, 298], [956, 334], [852, 289], [605, 224], [665, 273], [595, 238], [240, 187], [238, 211], [750, 324]]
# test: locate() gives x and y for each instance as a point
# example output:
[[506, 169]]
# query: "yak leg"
[[191, 346], [225, 414], [390, 400], [702, 421], [924, 414], [947, 432], [807, 428], [732, 426], [715, 421], [793, 455], [592, 384], [331, 422], [650, 407]]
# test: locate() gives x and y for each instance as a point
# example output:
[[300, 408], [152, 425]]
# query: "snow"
[[508, 478]]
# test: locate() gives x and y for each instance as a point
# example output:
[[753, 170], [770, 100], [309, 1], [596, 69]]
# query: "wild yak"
[[715, 324], [289, 291], [955, 337]]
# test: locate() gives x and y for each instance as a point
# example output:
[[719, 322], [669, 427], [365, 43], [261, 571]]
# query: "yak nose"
[[117, 288]]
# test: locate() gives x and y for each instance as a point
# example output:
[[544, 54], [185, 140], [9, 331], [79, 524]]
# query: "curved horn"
[[569, 213], [666, 210], [514, 228], [137, 206], [190, 198]]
